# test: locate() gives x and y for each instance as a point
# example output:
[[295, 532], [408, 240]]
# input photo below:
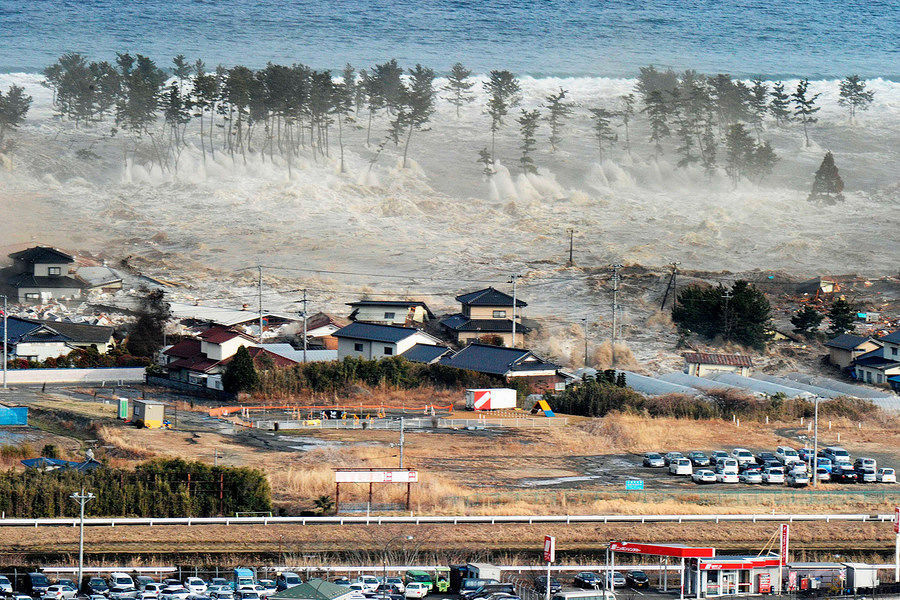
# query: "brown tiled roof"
[[322, 319], [706, 358], [256, 353], [184, 349], [220, 335]]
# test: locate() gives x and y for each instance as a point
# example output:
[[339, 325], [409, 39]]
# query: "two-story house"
[[882, 365], [373, 342], [40, 273], [406, 313], [486, 315], [510, 364], [845, 348], [31, 339]]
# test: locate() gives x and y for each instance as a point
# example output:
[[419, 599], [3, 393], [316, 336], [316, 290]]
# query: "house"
[[879, 366], [99, 279], [373, 342], [316, 589], [312, 354], [512, 364], [40, 273], [31, 339], [485, 314], [202, 361], [701, 364], [407, 313], [845, 348], [320, 329]]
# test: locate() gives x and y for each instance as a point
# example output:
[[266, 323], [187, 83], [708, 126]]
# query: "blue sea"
[[818, 39]]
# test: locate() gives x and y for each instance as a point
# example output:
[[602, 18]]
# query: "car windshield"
[[39, 580], [652, 455]]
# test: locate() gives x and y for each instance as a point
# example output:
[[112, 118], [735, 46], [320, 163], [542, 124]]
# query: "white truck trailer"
[[491, 399]]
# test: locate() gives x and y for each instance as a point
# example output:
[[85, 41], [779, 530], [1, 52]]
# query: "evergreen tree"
[[374, 98], [344, 102], [459, 86], [142, 82], [486, 160], [148, 332], [603, 131], [828, 186], [842, 317], [418, 103], [176, 111], [708, 149], [741, 315], [650, 80], [780, 106], [739, 150], [758, 104], [14, 106], [762, 161], [854, 96], [240, 375], [730, 99], [807, 321], [503, 92], [657, 112], [528, 124], [627, 113], [805, 106], [389, 78], [557, 111], [182, 71]]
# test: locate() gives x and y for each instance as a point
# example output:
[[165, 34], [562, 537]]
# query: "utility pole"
[[260, 303], [571, 233], [674, 285], [815, 463], [727, 296], [514, 279], [81, 499], [5, 341], [401, 442], [615, 282], [584, 326], [304, 326]]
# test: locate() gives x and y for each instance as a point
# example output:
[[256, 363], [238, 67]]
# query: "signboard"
[[384, 476], [729, 565], [549, 549], [897, 519], [792, 581], [634, 484], [784, 543], [675, 550]]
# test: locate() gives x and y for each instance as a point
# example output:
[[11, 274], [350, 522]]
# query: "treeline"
[[285, 109], [600, 396], [740, 313], [84, 358], [159, 488]]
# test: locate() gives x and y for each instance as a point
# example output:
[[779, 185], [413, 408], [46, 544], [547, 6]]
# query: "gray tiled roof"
[[424, 353], [27, 280], [460, 322], [893, 337], [497, 360], [375, 333], [489, 297], [846, 341], [42, 254]]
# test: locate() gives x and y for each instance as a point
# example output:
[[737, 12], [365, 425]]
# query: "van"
[[35, 584], [585, 595], [836, 454], [120, 580], [786, 455]]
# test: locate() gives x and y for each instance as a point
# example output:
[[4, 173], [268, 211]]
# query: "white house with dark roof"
[[39, 274], [882, 365], [485, 313], [373, 342], [31, 339], [407, 313], [701, 364]]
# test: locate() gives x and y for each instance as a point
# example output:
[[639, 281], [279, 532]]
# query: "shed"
[[13, 415], [149, 414]]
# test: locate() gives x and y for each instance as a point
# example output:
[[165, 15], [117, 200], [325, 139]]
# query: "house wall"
[[43, 269], [842, 358], [538, 384], [376, 350], [40, 350], [705, 370], [487, 312], [402, 315], [101, 348], [48, 293], [225, 349], [875, 376], [892, 351], [464, 337]]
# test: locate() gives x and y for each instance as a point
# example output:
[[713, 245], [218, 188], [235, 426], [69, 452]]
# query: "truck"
[[490, 399], [484, 570], [243, 576]]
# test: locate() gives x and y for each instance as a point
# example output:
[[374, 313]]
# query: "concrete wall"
[[706, 370], [43, 269], [39, 376], [41, 350], [58, 293]]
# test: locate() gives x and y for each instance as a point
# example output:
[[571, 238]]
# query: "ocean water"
[[819, 39]]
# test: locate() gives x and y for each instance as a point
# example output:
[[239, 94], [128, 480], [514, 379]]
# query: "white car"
[[120, 580], [797, 479], [681, 466], [222, 594], [743, 456], [142, 595], [59, 592], [751, 476], [247, 595], [370, 582], [703, 476], [728, 464], [195, 585], [726, 477], [397, 582], [823, 474], [174, 592], [787, 455], [886, 475], [154, 589], [261, 590], [416, 590], [773, 475], [5, 586]]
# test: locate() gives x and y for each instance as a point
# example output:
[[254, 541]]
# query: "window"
[[388, 350], [358, 347], [32, 296], [53, 271], [878, 377], [894, 351], [499, 314], [389, 315]]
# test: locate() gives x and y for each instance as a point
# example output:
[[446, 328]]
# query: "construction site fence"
[[224, 411], [414, 423]]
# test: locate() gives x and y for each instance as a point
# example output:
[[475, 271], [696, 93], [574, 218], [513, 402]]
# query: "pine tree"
[[390, 84], [708, 149], [842, 316], [603, 131], [486, 160], [182, 71], [780, 106], [418, 103], [528, 124], [459, 85], [805, 107], [14, 106], [807, 321], [627, 112], [240, 375], [854, 96], [758, 104], [657, 112], [557, 111], [828, 186], [739, 149], [762, 161], [504, 92]]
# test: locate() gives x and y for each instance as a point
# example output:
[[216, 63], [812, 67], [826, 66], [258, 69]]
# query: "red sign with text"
[[784, 543], [549, 549]]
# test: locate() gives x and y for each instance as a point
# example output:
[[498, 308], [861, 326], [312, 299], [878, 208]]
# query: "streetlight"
[[81, 499], [384, 554], [5, 340]]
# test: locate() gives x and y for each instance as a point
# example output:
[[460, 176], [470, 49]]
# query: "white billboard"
[[382, 476]]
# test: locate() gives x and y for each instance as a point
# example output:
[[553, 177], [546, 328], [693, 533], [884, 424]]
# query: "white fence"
[[415, 423], [111, 376], [427, 520]]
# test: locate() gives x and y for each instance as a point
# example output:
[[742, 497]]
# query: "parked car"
[[886, 475], [844, 474], [698, 459], [865, 463], [724, 476], [122, 580], [743, 456], [637, 579], [5, 586], [772, 475], [195, 585], [95, 586], [824, 463], [59, 592], [154, 589], [618, 579], [342, 581], [118, 592], [836, 454], [415, 589], [397, 582], [797, 479], [486, 589], [221, 593], [269, 586], [787, 455], [35, 584], [764, 457], [174, 592], [715, 455], [703, 476], [587, 580], [670, 456], [806, 454], [287, 580], [866, 475], [751, 476], [67, 582], [680, 466], [654, 460], [540, 585], [823, 474], [586, 595], [728, 464], [219, 581], [246, 595]]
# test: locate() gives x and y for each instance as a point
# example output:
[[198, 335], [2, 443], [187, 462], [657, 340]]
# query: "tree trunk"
[[341, 140], [369, 128], [406, 146]]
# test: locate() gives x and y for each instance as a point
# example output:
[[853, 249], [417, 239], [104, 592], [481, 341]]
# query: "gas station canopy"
[[674, 550]]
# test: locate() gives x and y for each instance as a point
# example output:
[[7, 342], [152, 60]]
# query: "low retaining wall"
[[113, 375], [190, 388]]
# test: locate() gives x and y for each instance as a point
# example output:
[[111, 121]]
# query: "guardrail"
[[414, 423], [448, 520]]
